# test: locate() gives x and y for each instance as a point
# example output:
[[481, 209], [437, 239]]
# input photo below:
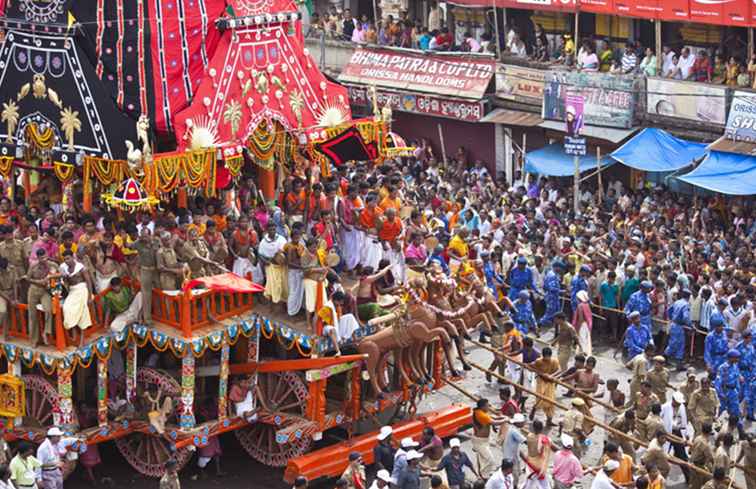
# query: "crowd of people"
[[666, 276]]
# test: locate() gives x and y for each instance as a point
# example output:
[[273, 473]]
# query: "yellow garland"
[[63, 171], [106, 171], [41, 140], [262, 141], [6, 163], [234, 165]]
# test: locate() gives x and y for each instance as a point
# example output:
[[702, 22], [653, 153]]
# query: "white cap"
[[413, 454], [518, 418], [54, 431], [678, 397], [408, 443], [567, 441], [454, 442], [582, 296], [385, 432], [611, 464], [385, 476]]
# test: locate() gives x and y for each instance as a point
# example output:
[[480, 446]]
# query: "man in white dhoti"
[[76, 305], [350, 236], [372, 250], [121, 305], [244, 401], [294, 250], [339, 327]]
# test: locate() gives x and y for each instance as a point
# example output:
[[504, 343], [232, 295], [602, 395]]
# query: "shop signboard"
[[464, 110], [741, 123], [608, 99], [520, 84], [728, 12], [464, 76], [686, 100]]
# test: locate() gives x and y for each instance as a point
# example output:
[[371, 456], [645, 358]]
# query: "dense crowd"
[[666, 276]]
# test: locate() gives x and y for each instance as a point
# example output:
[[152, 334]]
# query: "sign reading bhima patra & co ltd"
[[741, 123]]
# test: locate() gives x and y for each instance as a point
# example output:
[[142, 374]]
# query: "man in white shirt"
[[382, 480], [50, 454], [602, 479], [685, 63], [667, 58], [502, 478]]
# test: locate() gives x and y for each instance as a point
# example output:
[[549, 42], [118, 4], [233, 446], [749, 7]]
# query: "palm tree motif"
[[10, 117], [233, 115], [70, 123], [296, 102]]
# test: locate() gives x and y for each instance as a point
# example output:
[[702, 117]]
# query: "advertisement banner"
[[728, 12], [457, 76], [520, 84], [608, 100], [686, 100], [573, 115], [741, 123], [463, 110]]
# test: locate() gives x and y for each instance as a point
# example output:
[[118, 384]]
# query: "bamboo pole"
[[596, 422], [547, 377], [463, 391], [443, 146]]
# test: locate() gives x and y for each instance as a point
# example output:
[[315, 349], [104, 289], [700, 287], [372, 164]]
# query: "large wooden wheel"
[[42, 400], [283, 393], [148, 453]]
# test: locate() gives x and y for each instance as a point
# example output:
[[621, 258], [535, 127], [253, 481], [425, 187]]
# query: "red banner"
[[455, 75], [727, 12], [464, 110]]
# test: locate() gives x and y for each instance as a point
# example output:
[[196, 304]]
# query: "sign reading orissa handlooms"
[[455, 75]]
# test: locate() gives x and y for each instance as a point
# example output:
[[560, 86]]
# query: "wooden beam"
[[299, 364]]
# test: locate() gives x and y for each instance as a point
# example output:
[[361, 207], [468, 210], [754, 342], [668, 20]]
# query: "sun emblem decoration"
[[332, 114]]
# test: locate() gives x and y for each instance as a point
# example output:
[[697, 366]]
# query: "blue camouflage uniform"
[[523, 316], [520, 279], [748, 371], [636, 340], [679, 314], [578, 283], [640, 302], [715, 349], [493, 279], [728, 388], [552, 287]]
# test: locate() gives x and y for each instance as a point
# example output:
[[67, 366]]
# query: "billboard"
[[741, 123], [520, 84], [464, 110], [608, 100], [699, 102]]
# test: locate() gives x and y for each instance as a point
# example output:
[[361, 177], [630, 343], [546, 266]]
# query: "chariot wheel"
[[42, 401], [148, 453], [283, 392]]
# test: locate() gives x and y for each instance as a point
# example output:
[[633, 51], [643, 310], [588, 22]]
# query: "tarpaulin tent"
[[726, 173], [554, 162], [656, 150]]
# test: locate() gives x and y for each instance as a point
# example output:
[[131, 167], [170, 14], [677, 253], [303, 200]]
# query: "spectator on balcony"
[[394, 30], [444, 40], [606, 55], [371, 35], [744, 81], [434, 17], [629, 60], [732, 71], [541, 51], [674, 70], [719, 70], [700, 71], [752, 70], [348, 25], [648, 65], [315, 29], [470, 44], [358, 34], [424, 39], [667, 56], [539, 33], [405, 35], [590, 61], [517, 48], [685, 63]]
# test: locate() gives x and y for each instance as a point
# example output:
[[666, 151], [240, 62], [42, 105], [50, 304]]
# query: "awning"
[[554, 162], [456, 75], [512, 118], [610, 134], [730, 146], [658, 151], [726, 173]]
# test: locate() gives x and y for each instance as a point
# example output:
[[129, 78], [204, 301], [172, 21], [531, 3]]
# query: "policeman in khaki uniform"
[[167, 263], [703, 404], [13, 249], [8, 292], [39, 281], [701, 455], [146, 247]]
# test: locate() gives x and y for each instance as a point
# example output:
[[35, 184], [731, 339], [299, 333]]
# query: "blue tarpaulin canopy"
[[554, 162], [658, 151], [726, 173]]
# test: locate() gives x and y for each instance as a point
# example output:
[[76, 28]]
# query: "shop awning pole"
[[496, 31], [576, 190], [598, 167], [443, 146], [658, 36]]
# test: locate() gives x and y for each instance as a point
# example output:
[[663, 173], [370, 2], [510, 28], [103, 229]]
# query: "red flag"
[[225, 282]]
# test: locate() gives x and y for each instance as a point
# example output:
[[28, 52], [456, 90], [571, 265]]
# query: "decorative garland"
[[234, 165], [64, 171], [38, 144], [262, 141], [6, 163]]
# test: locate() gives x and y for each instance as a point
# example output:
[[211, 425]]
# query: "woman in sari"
[[583, 318]]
